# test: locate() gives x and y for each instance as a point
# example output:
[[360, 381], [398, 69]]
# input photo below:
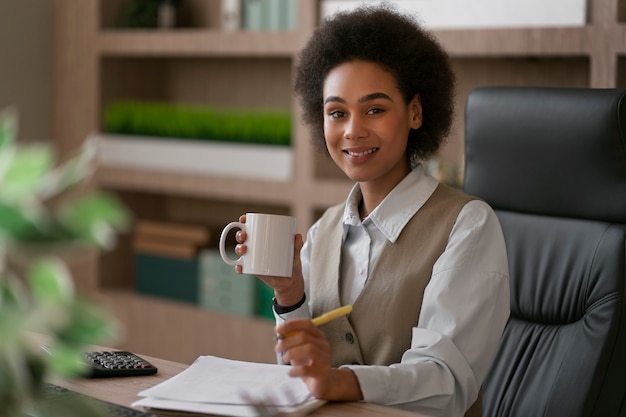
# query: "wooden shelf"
[[197, 43], [516, 42], [620, 33], [326, 192], [199, 186]]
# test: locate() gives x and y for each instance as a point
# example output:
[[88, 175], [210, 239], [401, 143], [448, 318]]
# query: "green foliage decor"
[[272, 127], [44, 214], [141, 14]]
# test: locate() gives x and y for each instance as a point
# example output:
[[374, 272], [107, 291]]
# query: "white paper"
[[225, 409], [226, 387], [215, 409]]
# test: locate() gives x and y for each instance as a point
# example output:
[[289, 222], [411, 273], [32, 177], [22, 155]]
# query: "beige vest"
[[379, 329]]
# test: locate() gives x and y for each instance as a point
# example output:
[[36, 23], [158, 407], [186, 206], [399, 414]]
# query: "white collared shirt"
[[461, 318]]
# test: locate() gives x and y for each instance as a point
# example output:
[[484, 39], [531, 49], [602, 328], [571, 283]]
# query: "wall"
[[25, 64]]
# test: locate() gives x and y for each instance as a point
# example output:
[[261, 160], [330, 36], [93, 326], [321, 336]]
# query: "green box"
[[222, 289], [265, 295], [166, 277]]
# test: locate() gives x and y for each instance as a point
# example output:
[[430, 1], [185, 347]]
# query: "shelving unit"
[[95, 63]]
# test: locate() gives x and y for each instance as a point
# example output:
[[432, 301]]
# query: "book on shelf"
[[167, 277], [268, 14], [222, 289], [170, 249], [231, 15], [252, 11]]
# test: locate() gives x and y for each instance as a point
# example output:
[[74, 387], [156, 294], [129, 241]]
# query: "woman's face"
[[367, 123]]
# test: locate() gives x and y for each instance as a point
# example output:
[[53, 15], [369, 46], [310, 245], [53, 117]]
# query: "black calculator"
[[117, 363]]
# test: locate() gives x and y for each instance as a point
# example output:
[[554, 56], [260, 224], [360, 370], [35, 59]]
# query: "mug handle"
[[222, 247]]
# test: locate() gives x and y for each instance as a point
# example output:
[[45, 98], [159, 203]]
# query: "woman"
[[423, 264]]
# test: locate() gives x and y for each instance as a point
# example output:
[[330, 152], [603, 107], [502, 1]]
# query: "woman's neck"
[[374, 194]]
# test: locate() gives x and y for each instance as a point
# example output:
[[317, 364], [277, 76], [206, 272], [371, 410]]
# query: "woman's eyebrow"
[[365, 98], [374, 96], [333, 99]]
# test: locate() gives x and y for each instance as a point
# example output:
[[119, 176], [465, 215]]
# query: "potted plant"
[[41, 217]]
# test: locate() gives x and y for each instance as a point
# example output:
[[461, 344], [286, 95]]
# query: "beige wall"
[[25, 64]]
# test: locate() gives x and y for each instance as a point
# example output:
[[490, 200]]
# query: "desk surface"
[[123, 390]]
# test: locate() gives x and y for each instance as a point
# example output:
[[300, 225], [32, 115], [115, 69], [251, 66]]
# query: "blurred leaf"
[[6, 159], [26, 172], [8, 126], [95, 218], [17, 222], [22, 373], [13, 294], [50, 282], [89, 324], [72, 172], [66, 361], [13, 323]]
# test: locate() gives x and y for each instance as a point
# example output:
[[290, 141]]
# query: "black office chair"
[[552, 163]]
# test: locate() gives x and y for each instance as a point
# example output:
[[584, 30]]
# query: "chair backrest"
[[552, 163]]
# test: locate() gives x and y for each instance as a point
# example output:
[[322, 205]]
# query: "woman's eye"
[[375, 110], [336, 114]]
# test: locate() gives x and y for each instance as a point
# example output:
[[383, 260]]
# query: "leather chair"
[[552, 163]]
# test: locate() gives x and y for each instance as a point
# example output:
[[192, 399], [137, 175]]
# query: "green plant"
[[39, 220], [139, 14], [270, 127]]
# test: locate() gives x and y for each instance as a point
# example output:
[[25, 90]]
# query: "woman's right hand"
[[288, 291]]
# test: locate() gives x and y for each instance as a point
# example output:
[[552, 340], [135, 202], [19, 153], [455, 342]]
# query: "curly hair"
[[396, 42]]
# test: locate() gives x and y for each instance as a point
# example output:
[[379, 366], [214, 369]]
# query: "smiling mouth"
[[362, 153]]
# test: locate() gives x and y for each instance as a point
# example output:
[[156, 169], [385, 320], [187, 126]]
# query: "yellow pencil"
[[325, 318], [331, 315]]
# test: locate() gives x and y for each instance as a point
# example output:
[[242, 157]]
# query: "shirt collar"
[[398, 207]]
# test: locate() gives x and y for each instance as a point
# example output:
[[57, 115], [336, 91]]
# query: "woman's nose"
[[354, 129]]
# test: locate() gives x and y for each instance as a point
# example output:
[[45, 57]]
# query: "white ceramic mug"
[[269, 243]]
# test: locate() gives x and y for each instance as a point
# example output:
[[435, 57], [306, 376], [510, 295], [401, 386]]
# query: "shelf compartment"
[[117, 269], [212, 213], [190, 13], [245, 83]]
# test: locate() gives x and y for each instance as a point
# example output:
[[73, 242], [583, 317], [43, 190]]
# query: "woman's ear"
[[415, 112]]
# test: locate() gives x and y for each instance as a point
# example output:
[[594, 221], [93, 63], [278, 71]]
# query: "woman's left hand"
[[305, 347]]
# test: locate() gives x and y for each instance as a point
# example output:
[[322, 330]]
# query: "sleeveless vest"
[[379, 329]]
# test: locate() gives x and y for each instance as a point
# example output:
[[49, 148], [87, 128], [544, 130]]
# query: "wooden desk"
[[124, 391]]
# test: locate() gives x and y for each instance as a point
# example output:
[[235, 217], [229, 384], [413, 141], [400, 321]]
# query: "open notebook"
[[225, 387]]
